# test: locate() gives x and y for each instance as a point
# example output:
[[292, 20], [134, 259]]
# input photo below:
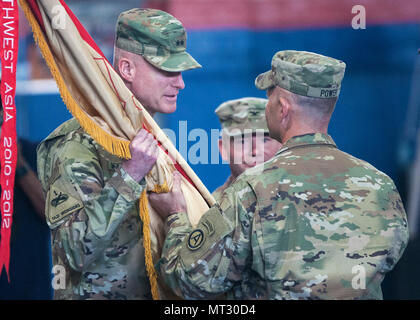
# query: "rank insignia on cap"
[[195, 239]]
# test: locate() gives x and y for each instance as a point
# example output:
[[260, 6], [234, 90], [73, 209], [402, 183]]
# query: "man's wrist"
[[177, 211], [175, 219], [172, 215], [132, 173], [125, 185]]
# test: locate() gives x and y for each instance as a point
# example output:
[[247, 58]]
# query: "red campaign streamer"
[[9, 19]]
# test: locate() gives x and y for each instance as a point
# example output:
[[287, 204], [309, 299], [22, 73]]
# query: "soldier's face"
[[248, 151], [157, 90]]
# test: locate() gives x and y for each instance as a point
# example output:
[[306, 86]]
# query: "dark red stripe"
[[177, 166], [36, 12]]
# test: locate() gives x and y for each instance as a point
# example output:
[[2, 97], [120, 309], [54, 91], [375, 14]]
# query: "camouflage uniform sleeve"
[[83, 208], [208, 260], [394, 231]]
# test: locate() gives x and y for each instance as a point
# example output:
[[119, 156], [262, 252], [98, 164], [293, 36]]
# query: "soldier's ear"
[[285, 108], [126, 69]]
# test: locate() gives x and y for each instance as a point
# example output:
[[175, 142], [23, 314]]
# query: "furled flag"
[[107, 110]]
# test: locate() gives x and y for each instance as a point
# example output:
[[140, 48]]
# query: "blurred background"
[[377, 115]]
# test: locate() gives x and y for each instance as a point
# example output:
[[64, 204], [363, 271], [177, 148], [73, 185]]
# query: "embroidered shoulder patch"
[[61, 204], [211, 229], [195, 239]]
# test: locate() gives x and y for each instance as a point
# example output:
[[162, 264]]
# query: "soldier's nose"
[[179, 82]]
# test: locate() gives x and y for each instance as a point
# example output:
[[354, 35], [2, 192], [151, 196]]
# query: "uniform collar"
[[307, 139]]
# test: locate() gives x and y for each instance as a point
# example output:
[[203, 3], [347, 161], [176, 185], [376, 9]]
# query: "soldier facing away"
[[313, 223], [98, 238], [245, 138]]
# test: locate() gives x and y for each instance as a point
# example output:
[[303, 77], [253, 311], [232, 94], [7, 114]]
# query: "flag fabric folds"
[[108, 111]]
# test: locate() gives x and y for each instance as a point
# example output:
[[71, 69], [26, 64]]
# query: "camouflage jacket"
[[217, 194], [313, 222], [92, 210]]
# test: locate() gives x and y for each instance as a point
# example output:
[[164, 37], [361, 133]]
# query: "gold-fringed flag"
[[108, 111]]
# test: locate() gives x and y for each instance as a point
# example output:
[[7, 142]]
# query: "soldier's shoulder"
[[366, 167], [256, 181], [68, 141], [61, 131], [263, 172], [67, 131], [64, 129], [217, 193]]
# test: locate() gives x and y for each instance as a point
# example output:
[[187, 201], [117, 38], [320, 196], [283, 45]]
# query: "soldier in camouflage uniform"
[[245, 139], [311, 223], [92, 196]]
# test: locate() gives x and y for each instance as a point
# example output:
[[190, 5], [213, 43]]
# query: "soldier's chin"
[[168, 108]]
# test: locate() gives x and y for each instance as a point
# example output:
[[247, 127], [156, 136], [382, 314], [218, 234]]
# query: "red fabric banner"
[[9, 20]]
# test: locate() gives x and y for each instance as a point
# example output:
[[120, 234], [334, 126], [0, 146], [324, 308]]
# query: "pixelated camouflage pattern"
[[217, 194], [156, 35], [301, 229], [246, 113], [304, 73], [92, 210]]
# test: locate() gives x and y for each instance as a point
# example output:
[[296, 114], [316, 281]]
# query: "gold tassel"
[[161, 188], [147, 242], [151, 272], [110, 143]]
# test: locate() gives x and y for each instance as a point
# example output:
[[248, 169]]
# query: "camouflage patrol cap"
[[246, 113], [157, 36], [304, 73]]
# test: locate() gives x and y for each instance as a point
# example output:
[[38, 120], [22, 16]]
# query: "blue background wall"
[[371, 111], [369, 117]]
